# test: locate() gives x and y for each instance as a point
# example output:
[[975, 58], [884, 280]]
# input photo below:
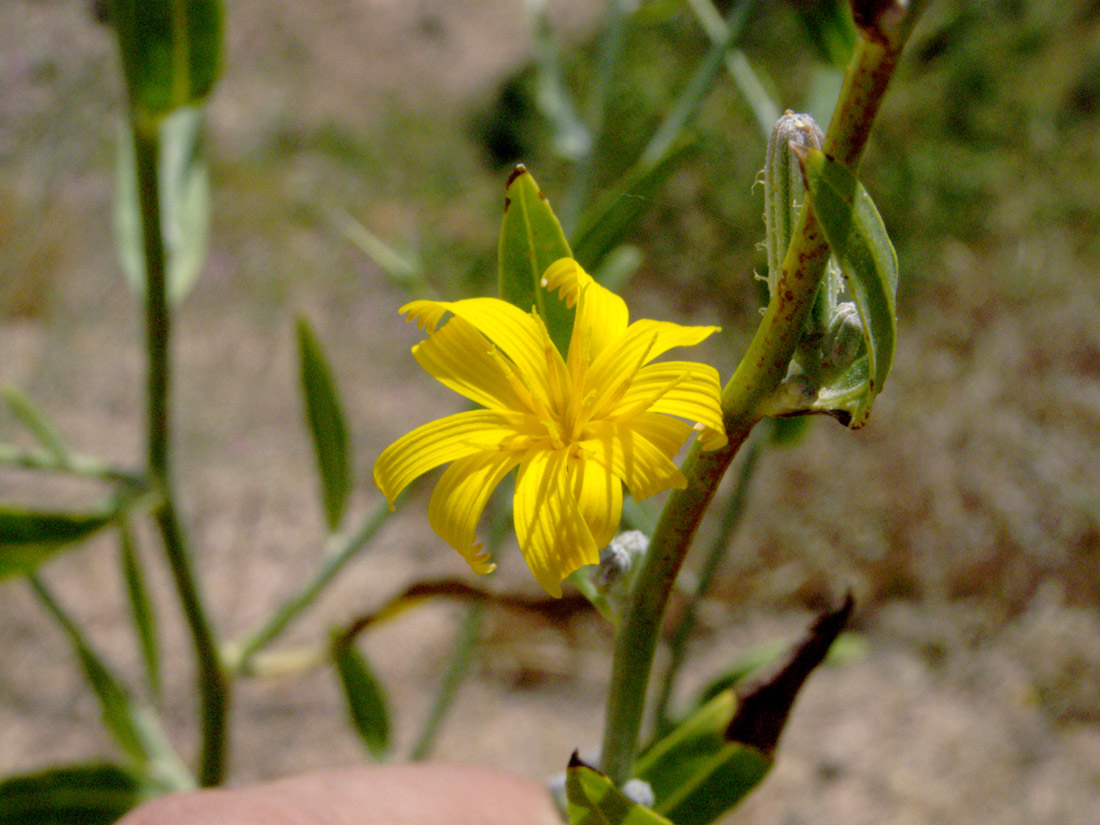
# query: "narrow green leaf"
[[604, 225], [326, 424], [35, 420], [142, 612], [570, 137], [171, 51], [697, 774], [829, 29], [93, 794], [530, 240], [861, 246], [29, 537], [594, 800], [121, 715], [619, 266], [847, 647], [365, 697], [184, 204]]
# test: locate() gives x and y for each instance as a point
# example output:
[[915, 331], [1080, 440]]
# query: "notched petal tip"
[[426, 314], [710, 439], [567, 277], [479, 560]]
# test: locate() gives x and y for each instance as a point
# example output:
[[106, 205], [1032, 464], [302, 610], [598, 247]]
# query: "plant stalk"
[[213, 684], [758, 375], [341, 549]]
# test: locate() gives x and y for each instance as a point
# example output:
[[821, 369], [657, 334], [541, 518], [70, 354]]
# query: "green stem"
[[340, 551], [77, 465], [461, 657], [213, 684], [213, 681], [757, 376], [681, 634]]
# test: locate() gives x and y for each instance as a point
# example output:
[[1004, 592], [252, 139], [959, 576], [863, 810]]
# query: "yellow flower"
[[577, 428]]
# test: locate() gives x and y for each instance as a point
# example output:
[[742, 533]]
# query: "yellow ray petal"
[[516, 332], [426, 314], [643, 341], [664, 432], [459, 499], [460, 357], [644, 467], [599, 495], [438, 442], [601, 317], [551, 529], [566, 276], [682, 388]]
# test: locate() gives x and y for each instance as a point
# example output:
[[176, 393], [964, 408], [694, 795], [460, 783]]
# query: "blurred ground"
[[966, 516]]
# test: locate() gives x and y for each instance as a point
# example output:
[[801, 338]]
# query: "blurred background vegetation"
[[965, 517]]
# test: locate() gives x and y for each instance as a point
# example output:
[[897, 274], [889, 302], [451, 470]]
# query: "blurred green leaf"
[[829, 29], [93, 794], [121, 715], [604, 225], [184, 204], [594, 800], [403, 268], [530, 240], [697, 774], [29, 537], [365, 697], [571, 138], [861, 246], [847, 647], [36, 422], [698, 87], [786, 432], [619, 266], [171, 51], [142, 611], [326, 424]]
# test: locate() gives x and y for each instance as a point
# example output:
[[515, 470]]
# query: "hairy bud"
[[784, 188]]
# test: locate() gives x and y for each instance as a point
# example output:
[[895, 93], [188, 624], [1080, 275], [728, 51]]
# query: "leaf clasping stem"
[[760, 371]]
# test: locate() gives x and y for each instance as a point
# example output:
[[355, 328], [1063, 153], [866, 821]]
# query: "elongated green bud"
[[784, 188]]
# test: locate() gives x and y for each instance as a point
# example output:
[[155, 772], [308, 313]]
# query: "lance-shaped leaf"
[[861, 246], [184, 204], [709, 762], [604, 225], [594, 800], [143, 612], [121, 715], [530, 240], [29, 537], [326, 424], [94, 794], [829, 29], [366, 699], [696, 772], [171, 51]]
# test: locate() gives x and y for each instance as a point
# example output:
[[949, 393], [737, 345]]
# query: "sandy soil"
[[977, 698]]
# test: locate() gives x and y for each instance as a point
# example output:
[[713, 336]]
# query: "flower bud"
[[843, 339], [784, 188], [620, 557], [614, 575]]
